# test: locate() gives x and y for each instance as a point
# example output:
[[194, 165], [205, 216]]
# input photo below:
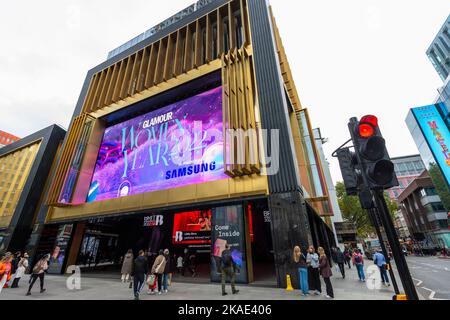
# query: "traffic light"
[[370, 148], [347, 164]]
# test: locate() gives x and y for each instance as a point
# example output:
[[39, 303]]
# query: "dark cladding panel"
[[272, 101], [290, 228]]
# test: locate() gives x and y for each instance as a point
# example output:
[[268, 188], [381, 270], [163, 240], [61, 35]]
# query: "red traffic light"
[[367, 125], [370, 119]]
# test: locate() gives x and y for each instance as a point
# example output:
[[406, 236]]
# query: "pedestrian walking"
[[158, 269], [358, 261], [15, 262], [140, 270], [340, 260], [348, 257], [173, 267], [5, 270], [127, 266], [228, 268], [302, 267], [193, 264], [325, 272], [22, 267], [39, 272], [167, 271], [180, 264], [312, 260], [186, 262], [380, 260]]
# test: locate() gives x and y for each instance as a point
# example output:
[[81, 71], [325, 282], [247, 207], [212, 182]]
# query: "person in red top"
[[5, 270]]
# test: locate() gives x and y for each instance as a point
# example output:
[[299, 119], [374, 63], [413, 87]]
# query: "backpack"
[[358, 259], [227, 260]]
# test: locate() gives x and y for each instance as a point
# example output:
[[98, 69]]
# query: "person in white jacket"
[[21, 268]]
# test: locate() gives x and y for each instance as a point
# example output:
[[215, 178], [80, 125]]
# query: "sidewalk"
[[107, 289]]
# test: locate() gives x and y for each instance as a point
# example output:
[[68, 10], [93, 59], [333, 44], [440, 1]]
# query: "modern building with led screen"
[[191, 136]]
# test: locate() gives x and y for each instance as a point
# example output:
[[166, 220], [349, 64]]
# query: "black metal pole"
[[400, 261], [373, 214]]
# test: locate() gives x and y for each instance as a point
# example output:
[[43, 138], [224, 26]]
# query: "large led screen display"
[[174, 146], [437, 135]]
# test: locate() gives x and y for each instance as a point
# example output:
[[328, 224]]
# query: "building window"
[[434, 207], [444, 44]]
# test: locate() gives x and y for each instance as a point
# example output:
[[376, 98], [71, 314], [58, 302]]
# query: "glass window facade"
[[15, 167], [439, 51]]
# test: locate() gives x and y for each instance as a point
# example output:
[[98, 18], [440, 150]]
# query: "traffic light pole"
[[400, 261], [374, 215]]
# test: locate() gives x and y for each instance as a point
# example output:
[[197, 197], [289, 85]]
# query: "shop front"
[[197, 233]]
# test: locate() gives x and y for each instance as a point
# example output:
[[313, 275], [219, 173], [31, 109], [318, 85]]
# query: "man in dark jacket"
[[140, 270], [228, 267], [340, 260], [15, 262]]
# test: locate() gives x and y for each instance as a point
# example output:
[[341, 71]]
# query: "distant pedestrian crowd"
[[310, 266], [14, 266], [155, 271]]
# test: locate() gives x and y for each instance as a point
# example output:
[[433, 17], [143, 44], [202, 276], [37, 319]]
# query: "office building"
[[25, 167], [439, 51], [424, 213], [407, 168], [7, 138]]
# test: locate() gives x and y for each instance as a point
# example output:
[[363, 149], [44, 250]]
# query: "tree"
[[353, 212], [440, 185]]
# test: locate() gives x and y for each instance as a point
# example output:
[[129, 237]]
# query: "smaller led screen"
[[192, 227], [437, 135]]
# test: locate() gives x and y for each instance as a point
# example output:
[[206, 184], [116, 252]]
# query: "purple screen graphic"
[[177, 145]]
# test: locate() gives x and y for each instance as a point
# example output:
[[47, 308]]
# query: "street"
[[431, 276]]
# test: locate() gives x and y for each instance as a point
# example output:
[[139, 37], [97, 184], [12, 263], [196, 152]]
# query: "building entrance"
[[195, 238]]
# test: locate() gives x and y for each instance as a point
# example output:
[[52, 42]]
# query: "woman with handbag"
[[325, 272], [39, 270], [158, 269]]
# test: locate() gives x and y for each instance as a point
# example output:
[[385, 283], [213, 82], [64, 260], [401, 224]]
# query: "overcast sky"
[[349, 58]]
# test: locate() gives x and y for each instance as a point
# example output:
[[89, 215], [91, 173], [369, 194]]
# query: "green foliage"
[[440, 185], [353, 212]]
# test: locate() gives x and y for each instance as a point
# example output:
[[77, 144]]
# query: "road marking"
[[419, 282], [432, 293]]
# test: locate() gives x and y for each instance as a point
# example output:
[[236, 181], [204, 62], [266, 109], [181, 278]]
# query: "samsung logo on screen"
[[157, 120], [191, 170]]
